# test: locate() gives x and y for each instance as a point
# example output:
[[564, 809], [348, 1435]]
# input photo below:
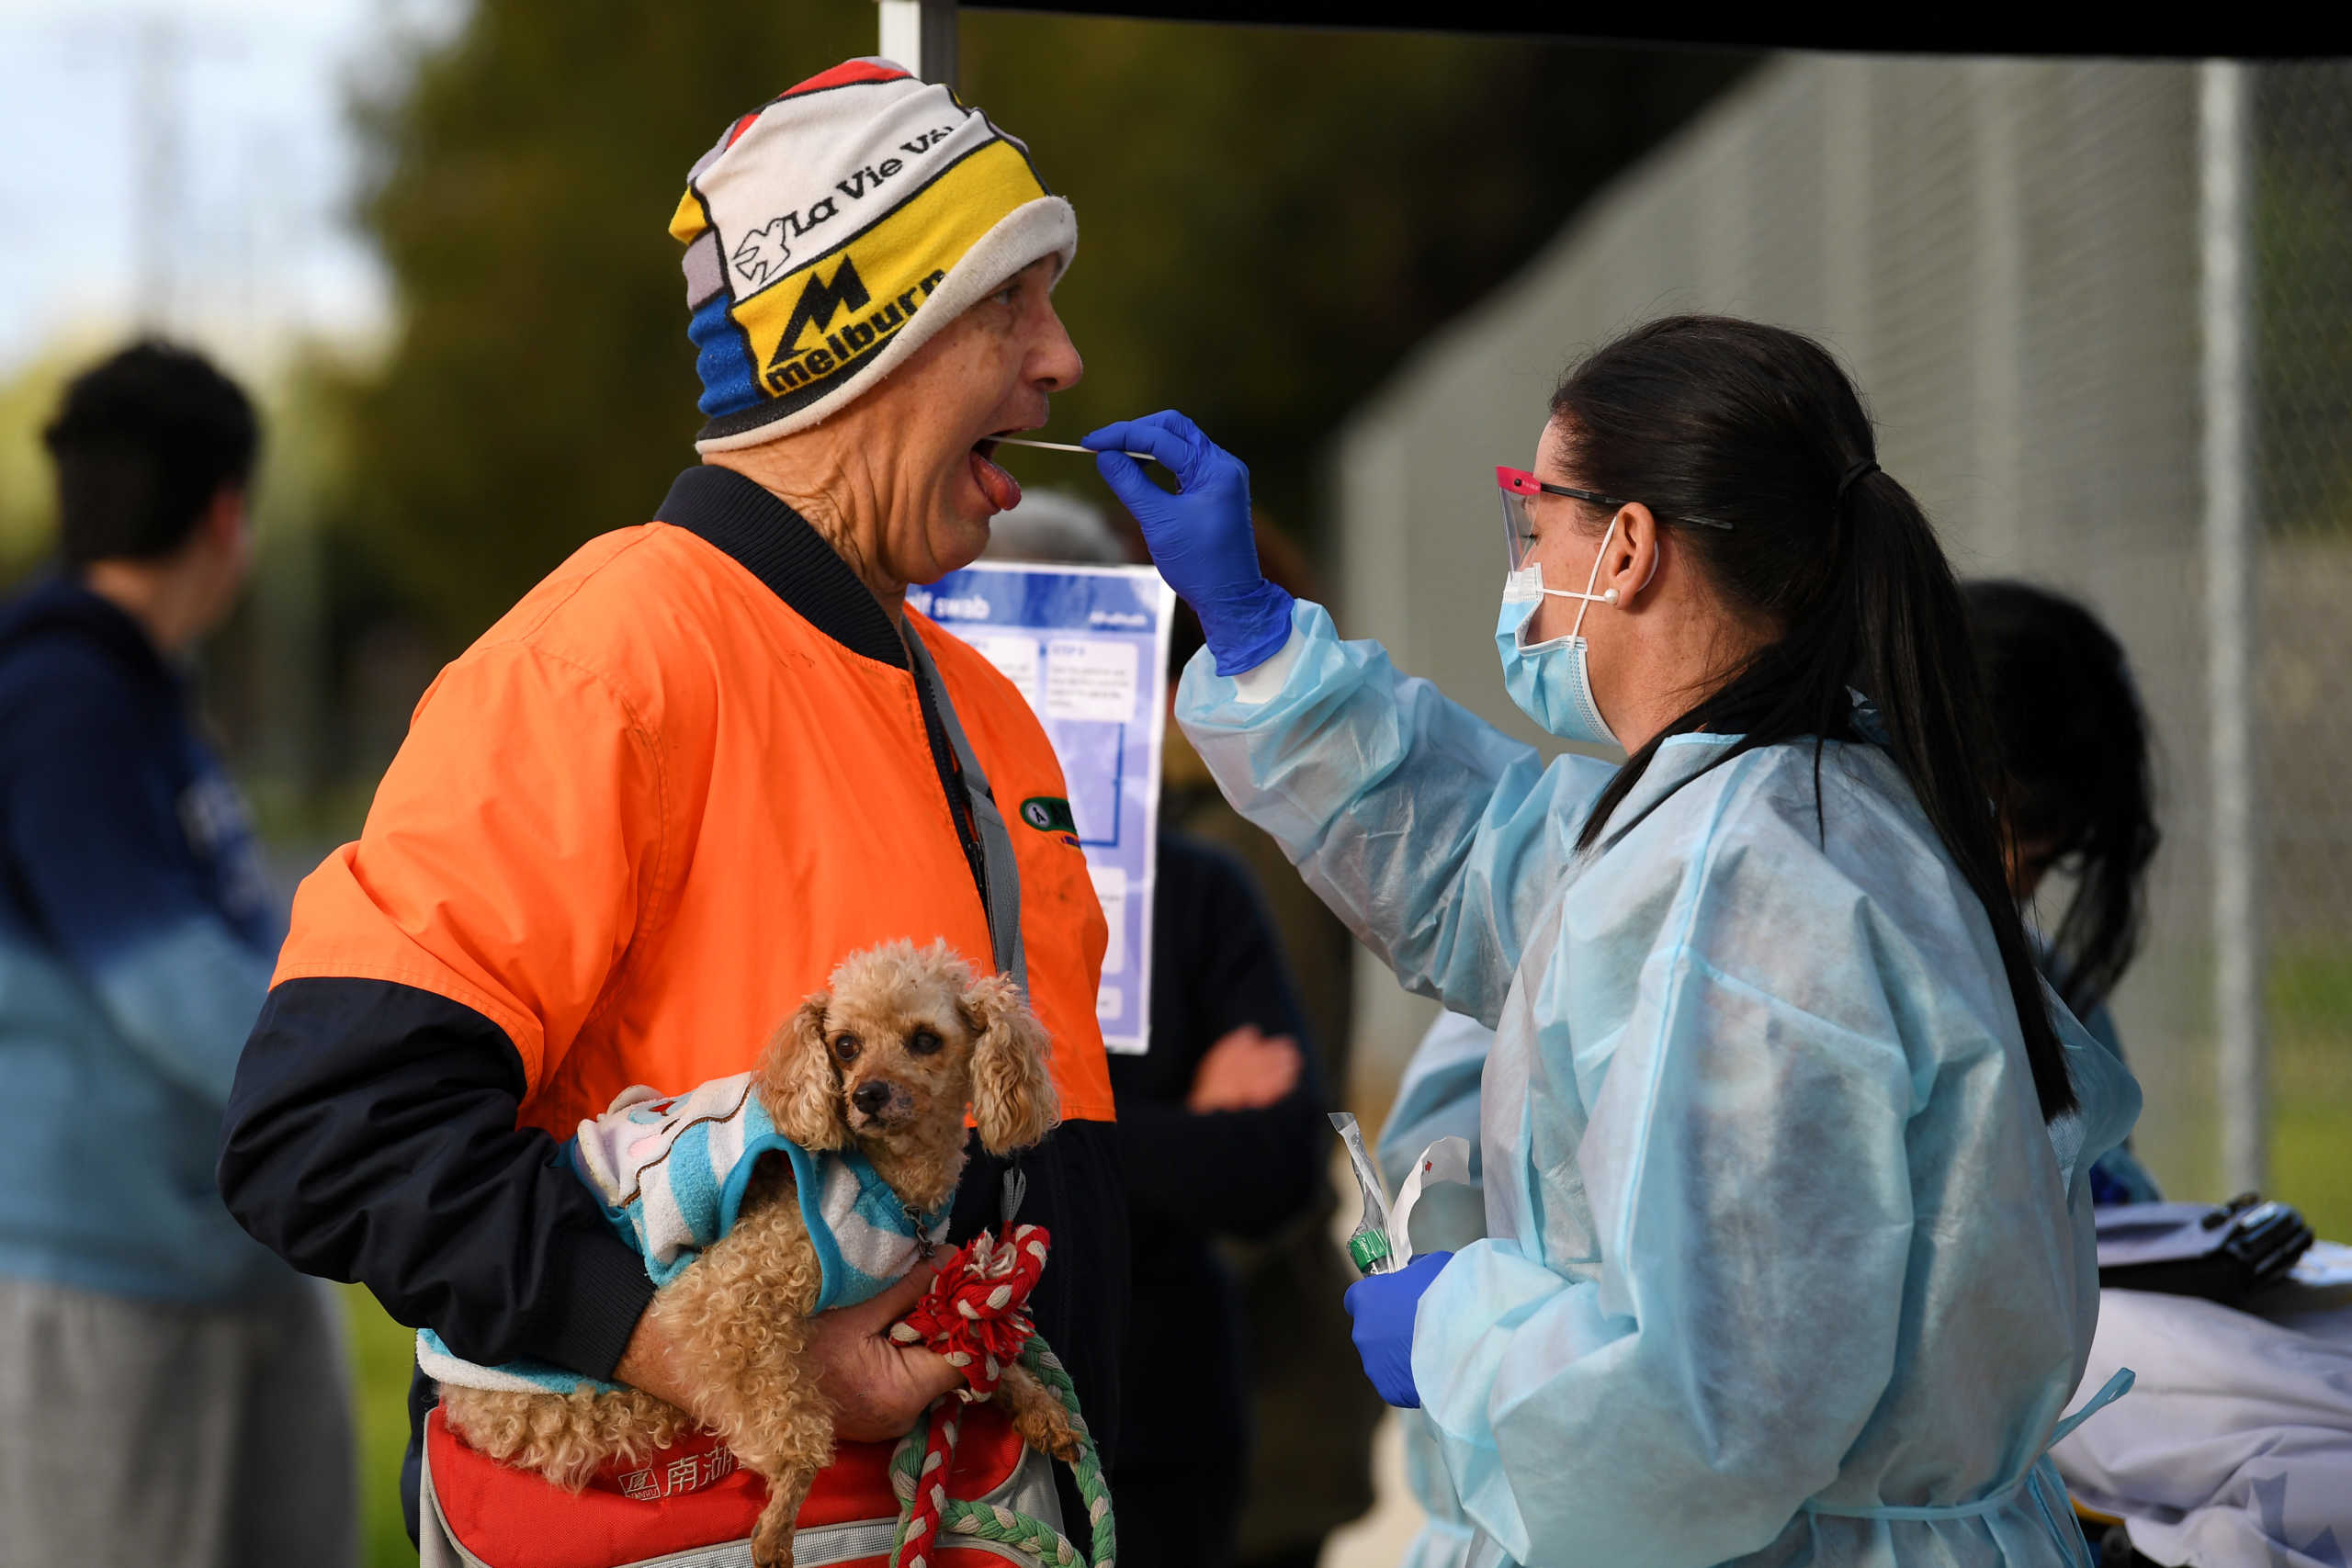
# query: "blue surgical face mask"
[[1548, 680]]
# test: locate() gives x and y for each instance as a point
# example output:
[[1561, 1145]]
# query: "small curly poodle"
[[885, 1060]]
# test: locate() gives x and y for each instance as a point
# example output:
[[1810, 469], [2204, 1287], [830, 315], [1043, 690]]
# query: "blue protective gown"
[[1777, 1240]]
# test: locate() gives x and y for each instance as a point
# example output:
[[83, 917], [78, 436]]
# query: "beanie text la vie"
[[834, 230]]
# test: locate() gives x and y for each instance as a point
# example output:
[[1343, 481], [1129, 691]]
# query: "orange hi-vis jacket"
[[645, 816], [630, 829]]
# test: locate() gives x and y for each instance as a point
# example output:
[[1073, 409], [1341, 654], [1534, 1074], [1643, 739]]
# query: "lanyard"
[[1000, 887]]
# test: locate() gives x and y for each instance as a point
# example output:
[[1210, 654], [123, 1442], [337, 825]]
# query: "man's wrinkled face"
[[990, 372]]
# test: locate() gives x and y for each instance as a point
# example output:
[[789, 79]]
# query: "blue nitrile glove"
[[1201, 538], [1383, 1306]]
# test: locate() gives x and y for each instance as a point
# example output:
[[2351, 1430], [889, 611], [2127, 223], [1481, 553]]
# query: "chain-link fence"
[[2015, 259], [2299, 139]]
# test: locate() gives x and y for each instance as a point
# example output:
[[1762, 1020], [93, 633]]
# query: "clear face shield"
[[1523, 500], [1520, 491], [1522, 495]]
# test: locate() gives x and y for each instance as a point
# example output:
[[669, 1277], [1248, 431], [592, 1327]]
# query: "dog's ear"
[[1013, 1092], [798, 1081]]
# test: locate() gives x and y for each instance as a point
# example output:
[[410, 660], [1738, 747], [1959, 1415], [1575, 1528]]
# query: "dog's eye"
[[846, 1046], [923, 1041]]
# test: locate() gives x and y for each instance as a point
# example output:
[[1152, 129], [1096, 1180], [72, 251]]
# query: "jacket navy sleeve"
[[98, 855], [372, 1137]]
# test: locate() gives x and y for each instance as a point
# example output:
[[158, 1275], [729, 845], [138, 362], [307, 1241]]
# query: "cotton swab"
[[1065, 447]]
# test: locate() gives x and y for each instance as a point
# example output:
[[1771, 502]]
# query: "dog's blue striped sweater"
[[671, 1174]]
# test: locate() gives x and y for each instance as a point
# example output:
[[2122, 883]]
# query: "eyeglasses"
[[1520, 488]]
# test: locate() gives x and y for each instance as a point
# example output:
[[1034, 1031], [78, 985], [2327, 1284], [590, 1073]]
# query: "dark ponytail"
[[2080, 787], [1705, 416]]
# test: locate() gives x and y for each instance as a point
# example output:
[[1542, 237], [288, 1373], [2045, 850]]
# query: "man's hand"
[[877, 1389], [1247, 1070]]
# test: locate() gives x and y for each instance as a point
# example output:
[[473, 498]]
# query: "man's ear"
[[1012, 1090], [797, 1080]]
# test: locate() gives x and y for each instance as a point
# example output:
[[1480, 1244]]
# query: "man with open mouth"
[[708, 756]]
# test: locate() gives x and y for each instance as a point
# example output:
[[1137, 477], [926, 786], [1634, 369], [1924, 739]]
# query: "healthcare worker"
[[1785, 1144]]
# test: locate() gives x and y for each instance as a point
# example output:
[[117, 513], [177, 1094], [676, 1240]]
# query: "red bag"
[[693, 1499]]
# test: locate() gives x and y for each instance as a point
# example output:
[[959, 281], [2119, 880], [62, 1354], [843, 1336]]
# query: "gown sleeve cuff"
[[1463, 1326], [1230, 702]]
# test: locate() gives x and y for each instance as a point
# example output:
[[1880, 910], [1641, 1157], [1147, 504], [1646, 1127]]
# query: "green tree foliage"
[[1268, 220], [28, 488]]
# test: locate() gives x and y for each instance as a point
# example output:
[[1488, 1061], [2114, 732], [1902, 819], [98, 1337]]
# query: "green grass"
[[381, 1353], [2310, 1007]]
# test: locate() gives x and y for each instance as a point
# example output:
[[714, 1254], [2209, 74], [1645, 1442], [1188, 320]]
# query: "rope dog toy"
[[975, 1314]]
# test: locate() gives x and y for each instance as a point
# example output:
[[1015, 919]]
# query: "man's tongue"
[[1001, 489]]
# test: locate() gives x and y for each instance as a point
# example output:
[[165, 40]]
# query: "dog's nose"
[[871, 1098]]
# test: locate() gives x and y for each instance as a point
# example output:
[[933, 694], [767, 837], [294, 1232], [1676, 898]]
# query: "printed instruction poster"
[[1088, 646]]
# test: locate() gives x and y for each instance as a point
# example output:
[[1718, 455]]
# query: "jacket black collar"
[[776, 544]]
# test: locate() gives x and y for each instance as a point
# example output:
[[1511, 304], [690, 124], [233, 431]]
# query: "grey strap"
[[996, 844]]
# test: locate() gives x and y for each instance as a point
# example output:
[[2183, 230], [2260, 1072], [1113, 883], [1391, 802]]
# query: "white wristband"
[[1262, 683]]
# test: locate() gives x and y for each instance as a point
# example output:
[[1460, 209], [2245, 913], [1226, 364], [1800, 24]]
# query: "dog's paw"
[[1049, 1430], [1066, 1446], [771, 1545]]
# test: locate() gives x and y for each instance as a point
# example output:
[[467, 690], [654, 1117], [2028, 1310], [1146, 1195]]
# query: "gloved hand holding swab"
[[1203, 537]]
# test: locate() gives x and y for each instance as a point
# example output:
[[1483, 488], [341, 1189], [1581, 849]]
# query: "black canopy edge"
[[2146, 33]]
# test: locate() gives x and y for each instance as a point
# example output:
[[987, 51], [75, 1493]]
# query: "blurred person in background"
[[1220, 1136], [702, 762], [170, 1393], [2238, 1448], [2081, 801]]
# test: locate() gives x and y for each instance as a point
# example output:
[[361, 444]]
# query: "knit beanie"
[[835, 229]]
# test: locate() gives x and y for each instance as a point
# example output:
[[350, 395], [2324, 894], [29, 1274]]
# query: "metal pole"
[[1998, 90], [2231, 547], [920, 36], [156, 116]]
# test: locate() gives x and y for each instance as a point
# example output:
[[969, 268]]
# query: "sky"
[[187, 164]]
